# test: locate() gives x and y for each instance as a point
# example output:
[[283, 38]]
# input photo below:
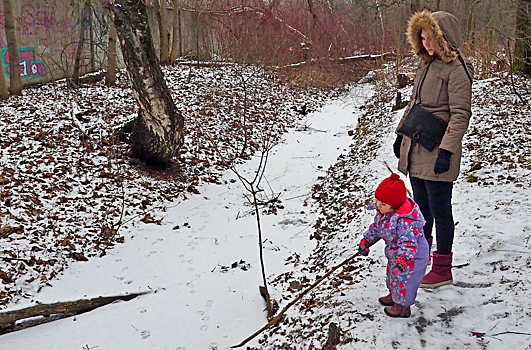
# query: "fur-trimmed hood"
[[443, 30]]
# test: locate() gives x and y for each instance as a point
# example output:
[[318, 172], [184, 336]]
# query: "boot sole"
[[386, 304], [397, 316], [436, 285]]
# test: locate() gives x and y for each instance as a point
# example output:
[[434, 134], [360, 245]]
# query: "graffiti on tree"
[[29, 66]]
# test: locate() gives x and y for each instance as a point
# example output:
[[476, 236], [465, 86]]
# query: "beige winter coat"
[[445, 91]]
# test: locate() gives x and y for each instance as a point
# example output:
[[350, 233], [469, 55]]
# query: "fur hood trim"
[[443, 30]]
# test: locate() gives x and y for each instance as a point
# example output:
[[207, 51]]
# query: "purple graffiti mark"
[[32, 18], [36, 20], [29, 66]]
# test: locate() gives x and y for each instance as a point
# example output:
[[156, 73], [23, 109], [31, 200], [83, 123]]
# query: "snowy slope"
[[204, 275], [201, 265]]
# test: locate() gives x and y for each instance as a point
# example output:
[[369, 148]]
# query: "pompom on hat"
[[392, 191]]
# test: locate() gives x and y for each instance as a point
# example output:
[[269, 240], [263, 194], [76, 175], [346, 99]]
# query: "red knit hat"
[[392, 191]]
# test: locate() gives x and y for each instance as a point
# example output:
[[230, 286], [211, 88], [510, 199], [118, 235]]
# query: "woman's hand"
[[442, 164], [397, 144]]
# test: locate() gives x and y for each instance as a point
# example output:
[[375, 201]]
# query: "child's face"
[[384, 208]]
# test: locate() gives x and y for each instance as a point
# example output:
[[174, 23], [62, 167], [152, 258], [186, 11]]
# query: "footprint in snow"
[[145, 334]]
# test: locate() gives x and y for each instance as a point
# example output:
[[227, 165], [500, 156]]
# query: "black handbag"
[[423, 127]]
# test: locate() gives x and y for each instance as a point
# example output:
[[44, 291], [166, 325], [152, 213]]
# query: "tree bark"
[[110, 77], [522, 59], [176, 34], [158, 131], [15, 81], [414, 6], [58, 310], [4, 93], [164, 33], [91, 38], [81, 43], [163, 30]]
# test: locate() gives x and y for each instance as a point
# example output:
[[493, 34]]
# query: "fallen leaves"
[[68, 190]]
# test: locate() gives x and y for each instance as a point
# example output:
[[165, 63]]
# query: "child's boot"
[[441, 272], [398, 310], [387, 300]]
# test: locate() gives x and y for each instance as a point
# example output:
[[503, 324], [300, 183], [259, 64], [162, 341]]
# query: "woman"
[[443, 86]]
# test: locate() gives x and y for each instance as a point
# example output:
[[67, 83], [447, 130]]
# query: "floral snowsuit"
[[403, 234]]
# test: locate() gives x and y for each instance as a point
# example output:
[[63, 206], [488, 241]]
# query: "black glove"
[[442, 164], [363, 247], [397, 144]]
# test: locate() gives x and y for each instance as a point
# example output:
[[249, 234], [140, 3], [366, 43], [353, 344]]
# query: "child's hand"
[[400, 265], [363, 247]]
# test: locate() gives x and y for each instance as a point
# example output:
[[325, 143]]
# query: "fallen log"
[[388, 56], [9, 320]]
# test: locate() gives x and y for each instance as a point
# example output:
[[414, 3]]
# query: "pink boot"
[[387, 300], [441, 272], [398, 311]]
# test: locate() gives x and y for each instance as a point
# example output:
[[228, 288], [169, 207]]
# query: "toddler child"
[[399, 223]]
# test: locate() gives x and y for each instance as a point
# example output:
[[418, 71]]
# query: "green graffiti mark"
[[29, 66]]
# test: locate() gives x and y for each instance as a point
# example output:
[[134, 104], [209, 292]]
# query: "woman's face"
[[428, 45]]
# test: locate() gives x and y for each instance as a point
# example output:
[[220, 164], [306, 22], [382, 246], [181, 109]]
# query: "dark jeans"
[[435, 201]]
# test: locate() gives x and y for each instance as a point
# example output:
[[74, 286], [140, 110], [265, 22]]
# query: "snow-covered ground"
[[201, 263], [201, 267]]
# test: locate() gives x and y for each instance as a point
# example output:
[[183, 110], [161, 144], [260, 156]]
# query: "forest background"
[[311, 43], [65, 38]]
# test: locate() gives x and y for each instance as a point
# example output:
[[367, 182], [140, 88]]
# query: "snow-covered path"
[[201, 263]]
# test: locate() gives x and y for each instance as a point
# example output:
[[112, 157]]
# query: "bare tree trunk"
[[110, 77], [15, 81], [380, 17], [164, 33], [91, 38], [79, 50], [522, 63], [176, 35], [415, 6], [312, 12], [163, 30], [4, 93], [158, 132]]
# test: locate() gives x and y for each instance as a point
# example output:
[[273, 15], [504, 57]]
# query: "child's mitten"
[[363, 247]]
